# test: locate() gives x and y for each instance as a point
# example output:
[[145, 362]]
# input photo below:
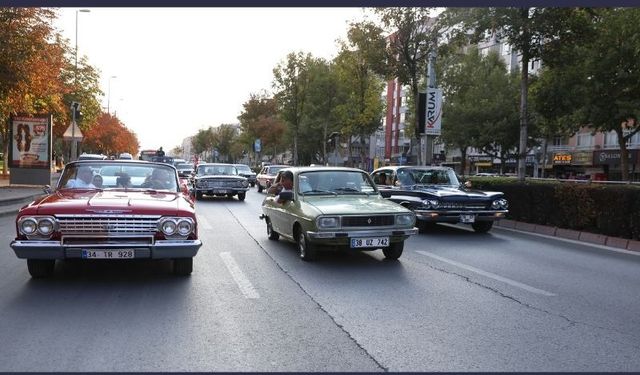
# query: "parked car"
[[185, 170], [245, 171], [219, 179], [125, 156], [124, 217], [267, 174], [436, 196], [339, 208]]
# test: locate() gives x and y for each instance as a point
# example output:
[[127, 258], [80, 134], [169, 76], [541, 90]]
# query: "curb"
[[572, 235]]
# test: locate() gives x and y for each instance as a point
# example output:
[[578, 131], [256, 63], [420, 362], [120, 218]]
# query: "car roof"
[[422, 167], [323, 168], [118, 161]]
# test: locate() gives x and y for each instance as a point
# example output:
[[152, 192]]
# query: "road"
[[455, 301]]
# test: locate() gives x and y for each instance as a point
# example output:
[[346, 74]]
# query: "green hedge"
[[612, 210]]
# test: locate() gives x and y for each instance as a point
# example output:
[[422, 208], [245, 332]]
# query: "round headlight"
[[28, 226], [504, 203], [184, 227], [168, 227], [45, 226], [496, 204]]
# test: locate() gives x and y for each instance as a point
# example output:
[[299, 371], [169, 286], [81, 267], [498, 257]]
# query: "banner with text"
[[433, 124]]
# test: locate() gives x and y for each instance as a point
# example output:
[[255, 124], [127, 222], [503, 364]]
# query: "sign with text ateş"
[[433, 124]]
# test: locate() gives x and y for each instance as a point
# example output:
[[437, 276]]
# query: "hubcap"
[[302, 245]]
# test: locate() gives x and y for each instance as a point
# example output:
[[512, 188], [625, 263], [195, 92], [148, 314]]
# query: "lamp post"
[[109, 95], [74, 142]]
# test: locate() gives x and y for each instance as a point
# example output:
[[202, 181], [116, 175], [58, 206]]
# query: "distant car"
[[436, 196], [117, 216], [245, 171], [219, 179], [336, 207], [163, 159], [267, 174], [125, 156], [177, 161], [185, 169], [92, 157]]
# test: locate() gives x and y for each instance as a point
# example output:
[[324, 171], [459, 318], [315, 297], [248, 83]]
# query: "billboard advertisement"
[[433, 124], [30, 142]]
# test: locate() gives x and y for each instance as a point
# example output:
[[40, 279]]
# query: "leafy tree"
[[601, 77], [110, 136], [202, 141], [291, 82], [534, 32], [259, 120], [223, 139]]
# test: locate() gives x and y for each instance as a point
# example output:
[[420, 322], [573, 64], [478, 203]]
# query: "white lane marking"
[[243, 283], [204, 223], [489, 274]]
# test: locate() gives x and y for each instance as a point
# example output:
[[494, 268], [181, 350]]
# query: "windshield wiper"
[[319, 192], [347, 189]]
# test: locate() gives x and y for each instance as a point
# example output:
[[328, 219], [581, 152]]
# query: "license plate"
[[220, 191], [370, 242], [467, 218], [108, 254]]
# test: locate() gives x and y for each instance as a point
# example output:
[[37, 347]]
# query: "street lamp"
[[74, 142], [109, 95]]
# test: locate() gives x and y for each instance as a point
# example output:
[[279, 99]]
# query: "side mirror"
[[286, 196], [47, 189]]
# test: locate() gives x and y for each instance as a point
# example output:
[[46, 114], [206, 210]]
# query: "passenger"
[[97, 181], [285, 184], [84, 175]]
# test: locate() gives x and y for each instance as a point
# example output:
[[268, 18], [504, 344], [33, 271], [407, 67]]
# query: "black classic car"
[[219, 179], [436, 196]]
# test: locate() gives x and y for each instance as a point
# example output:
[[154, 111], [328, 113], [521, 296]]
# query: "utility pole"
[[426, 140]]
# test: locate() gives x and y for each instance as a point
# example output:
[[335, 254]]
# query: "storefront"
[[609, 163]]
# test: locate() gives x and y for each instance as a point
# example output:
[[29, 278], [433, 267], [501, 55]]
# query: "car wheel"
[[198, 196], [259, 188], [273, 235], [482, 226], [242, 196], [307, 250], [183, 266], [394, 250], [426, 227], [40, 268]]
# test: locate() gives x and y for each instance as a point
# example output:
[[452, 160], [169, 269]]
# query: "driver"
[[158, 179]]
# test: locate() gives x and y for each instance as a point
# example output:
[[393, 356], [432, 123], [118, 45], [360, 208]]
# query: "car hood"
[[95, 202], [353, 204], [450, 191], [219, 177]]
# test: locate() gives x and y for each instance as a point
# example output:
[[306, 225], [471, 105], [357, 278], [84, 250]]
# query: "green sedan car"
[[336, 207]]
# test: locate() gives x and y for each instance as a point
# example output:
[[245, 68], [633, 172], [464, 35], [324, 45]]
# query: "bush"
[[603, 209]]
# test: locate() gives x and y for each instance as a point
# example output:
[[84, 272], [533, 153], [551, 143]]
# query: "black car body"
[[219, 179], [245, 171], [436, 196]]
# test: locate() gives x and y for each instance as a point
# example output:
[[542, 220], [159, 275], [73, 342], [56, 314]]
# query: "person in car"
[[285, 184], [97, 181], [157, 180], [84, 177]]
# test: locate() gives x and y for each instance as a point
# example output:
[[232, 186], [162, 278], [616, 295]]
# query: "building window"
[[584, 140], [559, 141], [611, 140]]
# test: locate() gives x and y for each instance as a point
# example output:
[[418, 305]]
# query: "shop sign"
[[612, 157], [582, 158], [562, 159]]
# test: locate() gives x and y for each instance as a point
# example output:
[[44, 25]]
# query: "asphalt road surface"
[[455, 301]]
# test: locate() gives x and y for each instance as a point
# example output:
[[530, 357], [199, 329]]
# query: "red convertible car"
[[111, 209]]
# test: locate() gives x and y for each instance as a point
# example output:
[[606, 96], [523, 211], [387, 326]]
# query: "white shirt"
[[78, 183]]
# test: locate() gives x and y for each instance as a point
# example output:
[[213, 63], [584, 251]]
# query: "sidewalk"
[[13, 197]]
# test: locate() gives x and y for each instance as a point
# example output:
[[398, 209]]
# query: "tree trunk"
[[416, 96], [624, 158], [544, 157], [463, 162], [524, 84]]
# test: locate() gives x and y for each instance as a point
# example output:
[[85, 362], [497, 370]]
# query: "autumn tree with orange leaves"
[[109, 136]]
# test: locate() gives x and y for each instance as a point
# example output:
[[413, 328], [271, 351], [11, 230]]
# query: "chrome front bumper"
[[453, 216], [164, 249], [362, 233]]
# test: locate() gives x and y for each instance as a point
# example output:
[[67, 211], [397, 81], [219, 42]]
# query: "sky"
[[178, 70]]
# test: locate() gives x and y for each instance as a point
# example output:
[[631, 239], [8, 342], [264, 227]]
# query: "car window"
[[334, 182], [118, 175], [383, 177]]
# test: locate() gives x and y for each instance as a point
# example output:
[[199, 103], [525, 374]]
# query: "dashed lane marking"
[[243, 282]]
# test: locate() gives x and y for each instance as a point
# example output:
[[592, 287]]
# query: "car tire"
[[242, 196], [426, 227], [253, 184], [41, 268], [482, 226], [394, 251], [183, 266], [308, 251], [273, 235], [259, 188], [198, 196]]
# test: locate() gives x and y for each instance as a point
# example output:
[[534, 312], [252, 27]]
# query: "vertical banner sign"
[[30, 142], [433, 124], [257, 145]]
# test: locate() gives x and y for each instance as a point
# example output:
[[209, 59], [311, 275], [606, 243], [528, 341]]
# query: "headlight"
[[405, 219], [184, 227], [328, 222], [496, 204], [46, 226], [168, 227], [431, 203], [28, 226], [504, 203]]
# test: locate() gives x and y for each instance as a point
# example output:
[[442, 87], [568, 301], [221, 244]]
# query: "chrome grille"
[[367, 221], [109, 224], [462, 205], [225, 183]]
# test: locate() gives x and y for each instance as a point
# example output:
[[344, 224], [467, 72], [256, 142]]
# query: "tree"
[[110, 136], [603, 76], [259, 120], [531, 31], [291, 81], [202, 141], [223, 139]]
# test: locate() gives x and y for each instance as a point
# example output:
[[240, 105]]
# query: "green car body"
[[340, 208]]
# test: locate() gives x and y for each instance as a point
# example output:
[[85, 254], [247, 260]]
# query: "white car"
[[125, 156]]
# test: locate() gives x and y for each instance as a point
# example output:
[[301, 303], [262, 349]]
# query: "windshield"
[[413, 176], [273, 170], [114, 175], [217, 169], [334, 183], [243, 168]]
